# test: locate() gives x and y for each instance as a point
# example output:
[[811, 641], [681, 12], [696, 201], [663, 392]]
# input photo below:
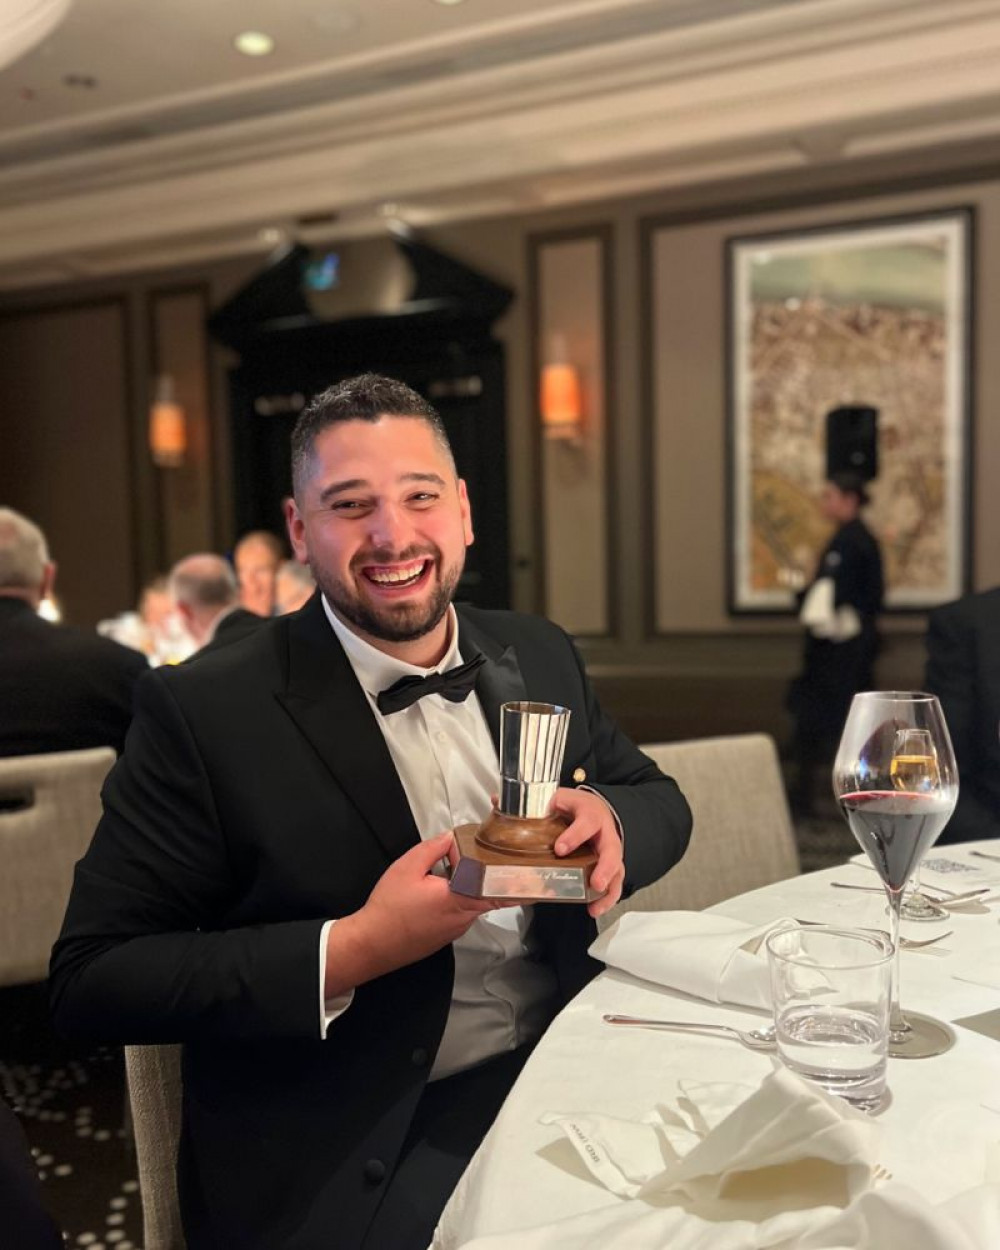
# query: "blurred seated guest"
[[840, 611], [257, 556], [26, 1223], [207, 596], [294, 587], [156, 604], [61, 689], [157, 615], [154, 629], [165, 637], [963, 670]]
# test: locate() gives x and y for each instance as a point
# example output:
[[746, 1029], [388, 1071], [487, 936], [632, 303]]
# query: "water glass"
[[830, 989]]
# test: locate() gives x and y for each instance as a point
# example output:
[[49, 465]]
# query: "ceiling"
[[135, 135]]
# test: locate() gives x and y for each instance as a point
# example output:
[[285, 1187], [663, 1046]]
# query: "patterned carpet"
[[71, 1102]]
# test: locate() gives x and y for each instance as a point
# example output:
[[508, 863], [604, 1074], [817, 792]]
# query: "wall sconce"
[[561, 396], [167, 426]]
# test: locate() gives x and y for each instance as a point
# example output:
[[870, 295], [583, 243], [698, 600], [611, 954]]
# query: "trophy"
[[510, 855]]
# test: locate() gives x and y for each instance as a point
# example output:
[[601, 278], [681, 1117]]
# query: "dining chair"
[[154, 1090], [49, 808], [742, 837]]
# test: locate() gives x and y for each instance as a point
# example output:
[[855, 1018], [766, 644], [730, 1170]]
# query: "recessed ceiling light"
[[449, 3], [254, 43], [270, 236]]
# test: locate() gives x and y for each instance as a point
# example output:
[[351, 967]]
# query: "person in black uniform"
[[840, 610]]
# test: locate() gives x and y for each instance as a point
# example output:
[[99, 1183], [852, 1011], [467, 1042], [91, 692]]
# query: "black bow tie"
[[456, 684]]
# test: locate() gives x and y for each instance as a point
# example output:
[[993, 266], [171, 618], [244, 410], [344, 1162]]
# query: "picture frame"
[[874, 313]]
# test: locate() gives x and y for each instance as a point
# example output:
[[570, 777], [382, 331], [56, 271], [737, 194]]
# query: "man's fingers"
[[574, 835], [425, 855], [609, 898]]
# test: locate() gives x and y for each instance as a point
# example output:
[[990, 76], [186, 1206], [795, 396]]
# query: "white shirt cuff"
[[618, 823], [329, 1008]]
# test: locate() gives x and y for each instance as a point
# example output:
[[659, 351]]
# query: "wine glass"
[[896, 821], [914, 767]]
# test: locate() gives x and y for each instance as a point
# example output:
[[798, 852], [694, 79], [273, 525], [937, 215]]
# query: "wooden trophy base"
[[510, 858]]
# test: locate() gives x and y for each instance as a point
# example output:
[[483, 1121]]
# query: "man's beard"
[[402, 622]]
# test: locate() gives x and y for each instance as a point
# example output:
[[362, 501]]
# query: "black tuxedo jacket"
[[61, 689], [963, 670], [256, 799]]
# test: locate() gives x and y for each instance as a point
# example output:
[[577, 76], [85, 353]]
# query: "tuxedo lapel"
[[326, 702], [500, 680]]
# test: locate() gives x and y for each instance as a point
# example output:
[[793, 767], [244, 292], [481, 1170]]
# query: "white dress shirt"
[[448, 766]]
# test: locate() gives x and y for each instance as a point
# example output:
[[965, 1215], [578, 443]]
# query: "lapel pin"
[[579, 775]]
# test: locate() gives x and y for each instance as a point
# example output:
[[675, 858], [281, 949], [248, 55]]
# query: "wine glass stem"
[[898, 1028]]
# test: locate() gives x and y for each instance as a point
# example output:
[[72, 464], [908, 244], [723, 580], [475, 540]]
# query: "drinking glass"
[[915, 767], [896, 821], [830, 989]]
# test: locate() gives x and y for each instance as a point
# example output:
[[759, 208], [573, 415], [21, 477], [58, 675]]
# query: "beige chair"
[[742, 836], [154, 1090], [49, 808]]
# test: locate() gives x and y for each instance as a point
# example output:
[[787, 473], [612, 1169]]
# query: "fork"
[[966, 897], [906, 944]]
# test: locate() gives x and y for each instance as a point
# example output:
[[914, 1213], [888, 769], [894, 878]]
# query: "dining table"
[[939, 1123]]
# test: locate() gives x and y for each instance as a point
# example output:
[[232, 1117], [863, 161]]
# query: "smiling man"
[[267, 884]]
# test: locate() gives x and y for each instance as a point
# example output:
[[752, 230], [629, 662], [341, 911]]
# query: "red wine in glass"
[[894, 828], [896, 781]]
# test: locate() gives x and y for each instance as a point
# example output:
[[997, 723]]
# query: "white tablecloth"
[[941, 1126]]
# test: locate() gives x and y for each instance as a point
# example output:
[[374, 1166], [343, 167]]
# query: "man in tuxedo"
[[268, 882], [963, 670], [207, 595], [61, 689]]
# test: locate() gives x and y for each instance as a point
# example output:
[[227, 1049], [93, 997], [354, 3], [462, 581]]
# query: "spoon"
[[754, 1039]]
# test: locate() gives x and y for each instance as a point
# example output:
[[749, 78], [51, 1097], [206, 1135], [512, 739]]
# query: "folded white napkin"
[[726, 1167], [733, 1146], [712, 957], [892, 1215]]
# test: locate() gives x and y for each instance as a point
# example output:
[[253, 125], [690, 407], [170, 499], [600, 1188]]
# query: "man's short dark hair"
[[366, 397]]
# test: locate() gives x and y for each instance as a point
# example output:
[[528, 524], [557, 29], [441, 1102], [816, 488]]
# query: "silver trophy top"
[[532, 745]]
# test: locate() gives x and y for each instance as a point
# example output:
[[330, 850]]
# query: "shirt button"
[[441, 736], [374, 1171], [419, 1057]]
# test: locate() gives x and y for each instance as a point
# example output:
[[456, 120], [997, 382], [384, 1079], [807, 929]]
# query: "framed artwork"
[[875, 314]]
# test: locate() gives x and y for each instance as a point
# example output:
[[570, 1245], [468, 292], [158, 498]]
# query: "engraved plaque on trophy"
[[510, 855]]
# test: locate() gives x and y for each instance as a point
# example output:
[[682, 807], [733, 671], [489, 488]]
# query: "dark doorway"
[[438, 341]]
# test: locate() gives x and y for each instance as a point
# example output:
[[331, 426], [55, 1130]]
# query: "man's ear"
[[296, 528], [48, 583], [466, 509]]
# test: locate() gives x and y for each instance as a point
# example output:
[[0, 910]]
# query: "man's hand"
[[409, 914], [592, 821]]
